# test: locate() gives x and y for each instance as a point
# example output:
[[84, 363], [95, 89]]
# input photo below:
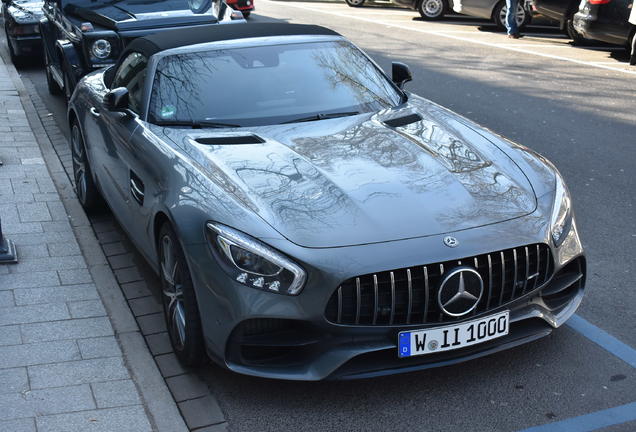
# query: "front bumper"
[[284, 337]]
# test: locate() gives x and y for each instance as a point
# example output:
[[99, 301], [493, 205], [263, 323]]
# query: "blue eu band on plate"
[[419, 342]]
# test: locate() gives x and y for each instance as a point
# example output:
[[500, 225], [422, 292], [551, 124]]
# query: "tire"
[[246, 14], [68, 91], [52, 86], [85, 188], [499, 15], [431, 10], [180, 308], [355, 3], [577, 38]]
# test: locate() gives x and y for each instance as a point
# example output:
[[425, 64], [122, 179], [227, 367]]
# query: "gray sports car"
[[309, 218]]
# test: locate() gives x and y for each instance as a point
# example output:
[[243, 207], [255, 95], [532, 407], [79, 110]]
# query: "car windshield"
[[268, 85]]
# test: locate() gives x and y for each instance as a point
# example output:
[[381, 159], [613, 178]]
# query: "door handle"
[[94, 112], [137, 190]]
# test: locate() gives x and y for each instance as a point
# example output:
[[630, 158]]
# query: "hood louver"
[[230, 140], [403, 121]]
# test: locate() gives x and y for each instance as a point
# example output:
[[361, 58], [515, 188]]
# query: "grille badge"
[[460, 291], [451, 241]]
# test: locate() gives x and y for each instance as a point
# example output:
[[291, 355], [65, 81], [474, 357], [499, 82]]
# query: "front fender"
[[70, 60]]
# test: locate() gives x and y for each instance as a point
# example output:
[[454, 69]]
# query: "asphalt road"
[[574, 105]]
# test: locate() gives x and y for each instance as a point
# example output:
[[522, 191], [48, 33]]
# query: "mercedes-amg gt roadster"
[[309, 218]]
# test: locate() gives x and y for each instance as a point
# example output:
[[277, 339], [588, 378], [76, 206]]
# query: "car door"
[[117, 127], [128, 170]]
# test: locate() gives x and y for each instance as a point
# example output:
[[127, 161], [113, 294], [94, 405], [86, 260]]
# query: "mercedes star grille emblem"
[[460, 291], [451, 241]]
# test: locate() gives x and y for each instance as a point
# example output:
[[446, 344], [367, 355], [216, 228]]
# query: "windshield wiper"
[[321, 116], [198, 124]]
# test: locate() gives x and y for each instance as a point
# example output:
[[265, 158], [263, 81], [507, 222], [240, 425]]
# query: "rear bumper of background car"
[[587, 23], [290, 337], [26, 45], [242, 5]]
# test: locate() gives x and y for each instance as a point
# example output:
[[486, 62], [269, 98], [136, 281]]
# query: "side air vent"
[[403, 121], [230, 140]]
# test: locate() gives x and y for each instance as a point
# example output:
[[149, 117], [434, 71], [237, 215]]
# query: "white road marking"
[[463, 39]]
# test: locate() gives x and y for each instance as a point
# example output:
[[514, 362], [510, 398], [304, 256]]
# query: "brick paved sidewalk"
[[61, 364]]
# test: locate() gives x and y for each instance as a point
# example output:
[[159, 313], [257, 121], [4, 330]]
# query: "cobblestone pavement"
[[62, 367]]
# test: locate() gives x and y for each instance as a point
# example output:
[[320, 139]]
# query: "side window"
[[131, 74]]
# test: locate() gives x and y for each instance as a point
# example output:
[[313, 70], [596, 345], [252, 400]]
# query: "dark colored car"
[[21, 18], [312, 219], [563, 12], [244, 6], [80, 36], [428, 9], [605, 20]]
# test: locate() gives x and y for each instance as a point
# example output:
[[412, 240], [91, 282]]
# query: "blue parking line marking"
[[592, 421], [604, 340]]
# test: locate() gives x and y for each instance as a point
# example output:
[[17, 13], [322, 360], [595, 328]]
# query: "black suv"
[[80, 36]]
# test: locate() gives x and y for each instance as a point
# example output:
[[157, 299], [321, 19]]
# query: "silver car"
[[309, 218], [494, 10]]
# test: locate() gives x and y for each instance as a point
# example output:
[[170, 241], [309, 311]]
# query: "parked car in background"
[[428, 9], [494, 10], [605, 20], [244, 6], [21, 18], [314, 220], [80, 36], [563, 12]]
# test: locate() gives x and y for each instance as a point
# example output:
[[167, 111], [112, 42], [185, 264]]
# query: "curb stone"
[[158, 403]]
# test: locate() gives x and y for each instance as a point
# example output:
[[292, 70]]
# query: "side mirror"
[[401, 74], [116, 99]]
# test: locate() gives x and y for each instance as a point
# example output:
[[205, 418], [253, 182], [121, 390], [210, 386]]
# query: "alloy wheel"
[[520, 18], [173, 293], [79, 164], [432, 8]]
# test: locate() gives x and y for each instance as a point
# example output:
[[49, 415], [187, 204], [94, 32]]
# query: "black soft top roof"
[[167, 39]]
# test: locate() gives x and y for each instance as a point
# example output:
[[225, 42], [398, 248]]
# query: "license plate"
[[419, 342]]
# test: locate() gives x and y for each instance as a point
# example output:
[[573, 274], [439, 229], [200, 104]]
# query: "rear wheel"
[[180, 307], [355, 3], [499, 15], [85, 187], [432, 9]]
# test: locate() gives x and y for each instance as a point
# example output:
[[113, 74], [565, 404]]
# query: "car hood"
[[356, 180], [26, 10], [136, 15]]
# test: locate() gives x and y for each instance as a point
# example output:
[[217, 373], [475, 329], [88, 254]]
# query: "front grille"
[[409, 295]]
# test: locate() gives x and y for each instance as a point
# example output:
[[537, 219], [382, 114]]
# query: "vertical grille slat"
[[503, 277], [375, 298], [409, 295], [525, 281], [358, 300], [489, 281], [514, 278], [426, 293], [409, 283], [392, 276]]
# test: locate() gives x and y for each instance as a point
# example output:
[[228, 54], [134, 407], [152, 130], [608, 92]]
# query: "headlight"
[[561, 220], [101, 48], [254, 264]]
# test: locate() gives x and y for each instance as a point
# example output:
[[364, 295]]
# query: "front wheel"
[[432, 9], [246, 14], [85, 188], [180, 307], [499, 15], [355, 3], [52, 86]]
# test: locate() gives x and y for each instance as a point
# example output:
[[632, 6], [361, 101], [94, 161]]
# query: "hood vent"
[[230, 140], [403, 121]]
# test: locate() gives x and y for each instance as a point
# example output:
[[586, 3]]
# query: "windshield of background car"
[[268, 85]]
